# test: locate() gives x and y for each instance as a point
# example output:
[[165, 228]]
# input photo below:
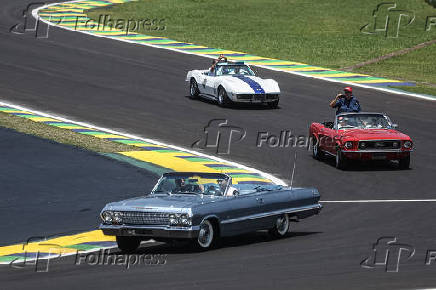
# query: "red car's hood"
[[373, 134]]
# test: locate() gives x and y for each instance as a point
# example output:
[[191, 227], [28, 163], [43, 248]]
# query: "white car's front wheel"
[[223, 98], [273, 104], [193, 89]]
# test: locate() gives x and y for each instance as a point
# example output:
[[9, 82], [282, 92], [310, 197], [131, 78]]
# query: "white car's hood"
[[239, 84]]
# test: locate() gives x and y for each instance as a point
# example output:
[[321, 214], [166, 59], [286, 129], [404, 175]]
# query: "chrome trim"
[[153, 232], [377, 151], [273, 213], [146, 227], [378, 140]]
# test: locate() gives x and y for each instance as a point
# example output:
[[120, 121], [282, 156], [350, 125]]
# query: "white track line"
[[386, 90], [377, 200], [263, 174]]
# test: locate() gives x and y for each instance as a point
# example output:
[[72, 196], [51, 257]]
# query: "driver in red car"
[[345, 102]]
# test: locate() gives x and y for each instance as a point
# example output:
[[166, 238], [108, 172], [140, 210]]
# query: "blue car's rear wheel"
[[281, 226]]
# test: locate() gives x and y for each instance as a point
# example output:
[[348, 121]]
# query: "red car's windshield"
[[363, 121]]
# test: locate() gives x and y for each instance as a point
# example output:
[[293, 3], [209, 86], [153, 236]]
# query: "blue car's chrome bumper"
[[151, 231]]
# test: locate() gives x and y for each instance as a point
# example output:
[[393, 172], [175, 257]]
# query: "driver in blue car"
[[346, 102]]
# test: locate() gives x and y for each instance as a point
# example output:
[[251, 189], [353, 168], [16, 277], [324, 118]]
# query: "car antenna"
[[293, 169]]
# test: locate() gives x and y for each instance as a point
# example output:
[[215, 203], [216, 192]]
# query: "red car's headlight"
[[348, 145], [408, 145]]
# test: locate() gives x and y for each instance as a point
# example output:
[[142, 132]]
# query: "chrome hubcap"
[[282, 224], [192, 88], [205, 235]]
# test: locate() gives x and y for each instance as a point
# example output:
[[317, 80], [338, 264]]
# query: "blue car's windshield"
[[192, 184]]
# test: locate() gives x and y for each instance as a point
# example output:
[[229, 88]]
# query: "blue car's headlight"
[[107, 217], [176, 219], [173, 219], [185, 220], [117, 218]]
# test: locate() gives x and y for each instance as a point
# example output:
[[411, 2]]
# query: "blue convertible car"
[[204, 207]]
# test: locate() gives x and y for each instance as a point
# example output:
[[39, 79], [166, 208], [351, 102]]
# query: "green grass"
[[63, 136], [418, 65], [325, 33], [420, 89]]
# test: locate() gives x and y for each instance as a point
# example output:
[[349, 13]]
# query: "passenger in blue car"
[[345, 102]]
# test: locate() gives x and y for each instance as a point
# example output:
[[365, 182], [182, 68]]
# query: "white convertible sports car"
[[233, 82]]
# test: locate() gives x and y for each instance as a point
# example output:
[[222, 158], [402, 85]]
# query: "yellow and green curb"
[[73, 16], [152, 156]]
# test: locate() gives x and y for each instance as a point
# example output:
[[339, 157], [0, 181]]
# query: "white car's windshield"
[[363, 121], [192, 184], [233, 70]]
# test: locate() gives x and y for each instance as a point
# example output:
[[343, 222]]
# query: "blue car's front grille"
[[144, 218]]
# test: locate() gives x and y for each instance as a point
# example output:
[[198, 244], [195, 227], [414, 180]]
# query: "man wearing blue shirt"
[[345, 102]]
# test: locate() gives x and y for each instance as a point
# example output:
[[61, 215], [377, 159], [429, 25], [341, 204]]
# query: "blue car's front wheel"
[[128, 244], [207, 235]]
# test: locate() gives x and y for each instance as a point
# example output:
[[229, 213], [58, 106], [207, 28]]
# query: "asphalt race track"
[[141, 90], [50, 188]]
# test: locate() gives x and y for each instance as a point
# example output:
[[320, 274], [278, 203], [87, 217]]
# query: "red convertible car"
[[360, 136]]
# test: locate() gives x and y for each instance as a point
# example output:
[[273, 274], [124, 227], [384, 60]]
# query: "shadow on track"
[[367, 165], [235, 106], [186, 247]]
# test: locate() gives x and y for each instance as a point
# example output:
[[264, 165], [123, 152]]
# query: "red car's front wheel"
[[404, 163], [341, 160]]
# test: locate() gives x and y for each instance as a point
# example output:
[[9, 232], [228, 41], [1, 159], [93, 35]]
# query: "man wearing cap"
[[345, 102]]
